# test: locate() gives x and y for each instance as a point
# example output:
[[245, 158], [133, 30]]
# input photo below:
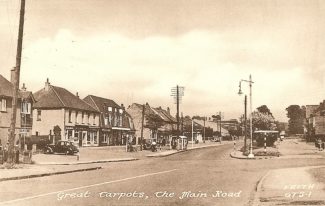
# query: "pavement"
[[291, 186], [54, 164]]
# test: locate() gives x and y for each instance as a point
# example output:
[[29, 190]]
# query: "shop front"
[[82, 135], [119, 136]]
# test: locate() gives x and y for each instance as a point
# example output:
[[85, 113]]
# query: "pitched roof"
[[6, 87], [164, 115], [101, 103], [57, 97]]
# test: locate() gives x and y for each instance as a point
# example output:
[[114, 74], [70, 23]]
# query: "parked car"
[[65, 147], [147, 143]]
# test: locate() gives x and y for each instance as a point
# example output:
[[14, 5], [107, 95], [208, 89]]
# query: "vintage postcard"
[[162, 102]]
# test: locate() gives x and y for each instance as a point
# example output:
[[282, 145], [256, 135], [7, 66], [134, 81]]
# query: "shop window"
[[89, 137], [95, 137], [105, 138]]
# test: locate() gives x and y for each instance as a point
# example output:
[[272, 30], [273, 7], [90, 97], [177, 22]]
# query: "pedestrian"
[[163, 143], [319, 141]]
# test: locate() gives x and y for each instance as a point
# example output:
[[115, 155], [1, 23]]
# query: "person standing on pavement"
[[320, 143]]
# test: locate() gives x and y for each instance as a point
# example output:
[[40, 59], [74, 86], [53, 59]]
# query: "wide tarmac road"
[[199, 177]]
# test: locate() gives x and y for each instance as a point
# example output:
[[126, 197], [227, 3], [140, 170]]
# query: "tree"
[[296, 115], [263, 121], [264, 110]]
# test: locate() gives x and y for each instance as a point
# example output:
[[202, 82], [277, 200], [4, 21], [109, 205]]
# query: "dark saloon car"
[[65, 147]]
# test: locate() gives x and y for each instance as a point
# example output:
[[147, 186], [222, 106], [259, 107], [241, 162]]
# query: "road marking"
[[86, 186]]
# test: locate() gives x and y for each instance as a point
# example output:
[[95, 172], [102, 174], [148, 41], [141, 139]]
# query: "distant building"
[[116, 125], [212, 125], [64, 116], [164, 132], [24, 111], [315, 121]]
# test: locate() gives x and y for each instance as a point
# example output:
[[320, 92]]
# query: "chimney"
[[47, 85], [23, 88], [12, 75], [77, 94], [168, 110], [122, 106]]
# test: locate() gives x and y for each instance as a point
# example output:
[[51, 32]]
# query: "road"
[[198, 177]]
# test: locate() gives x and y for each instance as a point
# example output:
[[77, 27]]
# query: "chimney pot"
[[24, 87], [47, 84], [77, 94], [12, 75]]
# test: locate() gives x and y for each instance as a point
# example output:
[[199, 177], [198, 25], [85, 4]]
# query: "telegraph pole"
[[182, 125], [11, 159], [220, 127], [245, 120], [177, 93], [177, 113]]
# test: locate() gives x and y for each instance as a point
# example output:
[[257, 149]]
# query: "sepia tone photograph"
[[162, 102]]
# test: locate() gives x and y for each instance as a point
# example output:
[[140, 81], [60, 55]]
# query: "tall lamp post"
[[250, 82]]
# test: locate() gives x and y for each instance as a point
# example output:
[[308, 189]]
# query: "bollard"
[[235, 147], [78, 156]]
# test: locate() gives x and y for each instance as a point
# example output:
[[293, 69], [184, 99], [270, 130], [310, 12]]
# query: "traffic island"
[[258, 154]]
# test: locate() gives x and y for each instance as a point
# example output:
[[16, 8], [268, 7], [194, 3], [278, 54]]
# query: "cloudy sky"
[[136, 51]]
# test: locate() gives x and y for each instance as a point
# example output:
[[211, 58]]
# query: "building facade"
[[64, 116], [24, 112], [116, 125], [315, 121]]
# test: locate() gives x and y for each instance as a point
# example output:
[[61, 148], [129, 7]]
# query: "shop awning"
[[121, 128]]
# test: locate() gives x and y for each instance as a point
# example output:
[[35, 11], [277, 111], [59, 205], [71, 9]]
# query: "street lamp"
[[251, 155]]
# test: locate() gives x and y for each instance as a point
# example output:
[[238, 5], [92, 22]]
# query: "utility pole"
[[16, 85], [177, 93], [245, 122], [182, 121], [220, 127], [142, 123], [177, 113]]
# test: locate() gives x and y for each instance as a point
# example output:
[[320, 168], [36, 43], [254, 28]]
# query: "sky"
[[137, 51]]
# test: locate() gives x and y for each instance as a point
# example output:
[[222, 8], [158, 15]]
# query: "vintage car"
[[65, 147]]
